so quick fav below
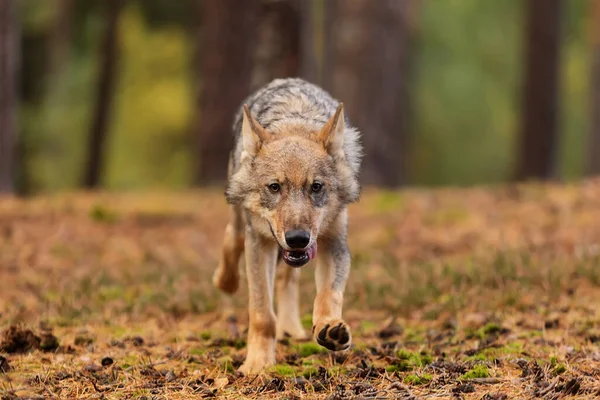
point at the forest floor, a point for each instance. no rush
(484, 293)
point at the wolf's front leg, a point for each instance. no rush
(329, 329)
(261, 259)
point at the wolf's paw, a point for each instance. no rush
(226, 280)
(293, 334)
(290, 329)
(255, 365)
(334, 335)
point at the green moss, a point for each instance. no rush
(206, 335)
(129, 361)
(590, 324)
(360, 345)
(83, 340)
(432, 314)
(491, 328)
(403, 354)
(512, 348)
(226, 363)
(483, 332)
(367, 326)
(407, 361)
(309, 371)
(101, 214)
(410, 360)
(414, 379)
(283, 370)
(478, 357)
(394, 368)
(309, 348)
(425, 359)
(196, 351)
(490, 354)
(312, 361)
(306, 321)
(560, 368)
(415, 336)
(337, 370)
(532, 334)
(478, 371)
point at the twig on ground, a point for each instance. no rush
(485, 381)
(550, 387)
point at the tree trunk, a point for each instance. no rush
(59, 41)
(107, 78)
(540, 91)
(226, 42)
(308, 26)
(366, 66)
(9, 65)
(594, 142)
(278, 50)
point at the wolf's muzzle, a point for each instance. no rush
(297, 239)
(299, 258)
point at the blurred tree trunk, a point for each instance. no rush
(107, 78)
(539, 130)
(309, 32)
(366, 65)
(593, 167)
(59, 41)
(278, 50)
(9, 65)
(226, 41)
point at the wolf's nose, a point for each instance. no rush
(297, 239)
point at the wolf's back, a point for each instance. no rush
(294, 101)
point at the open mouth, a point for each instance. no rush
(298, 258)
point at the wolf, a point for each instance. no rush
(291, 175)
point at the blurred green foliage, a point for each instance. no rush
(466, 95)
(467, 100)
(154, 104)
(149, 137)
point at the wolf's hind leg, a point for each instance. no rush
(288, 303)
(227, 275)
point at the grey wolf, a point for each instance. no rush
(292, 173)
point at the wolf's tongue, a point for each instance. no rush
(312, 251)
(297, 258)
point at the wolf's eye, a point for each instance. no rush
(274, 187)
(316, 187)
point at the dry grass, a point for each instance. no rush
(485, 293)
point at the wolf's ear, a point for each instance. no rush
(253, 135)
(332, 134)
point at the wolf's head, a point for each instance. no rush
(294, 183)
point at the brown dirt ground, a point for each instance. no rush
(483, 293)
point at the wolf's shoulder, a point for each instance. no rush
(287, 99)
(290, 87)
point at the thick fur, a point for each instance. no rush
(293, 135)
